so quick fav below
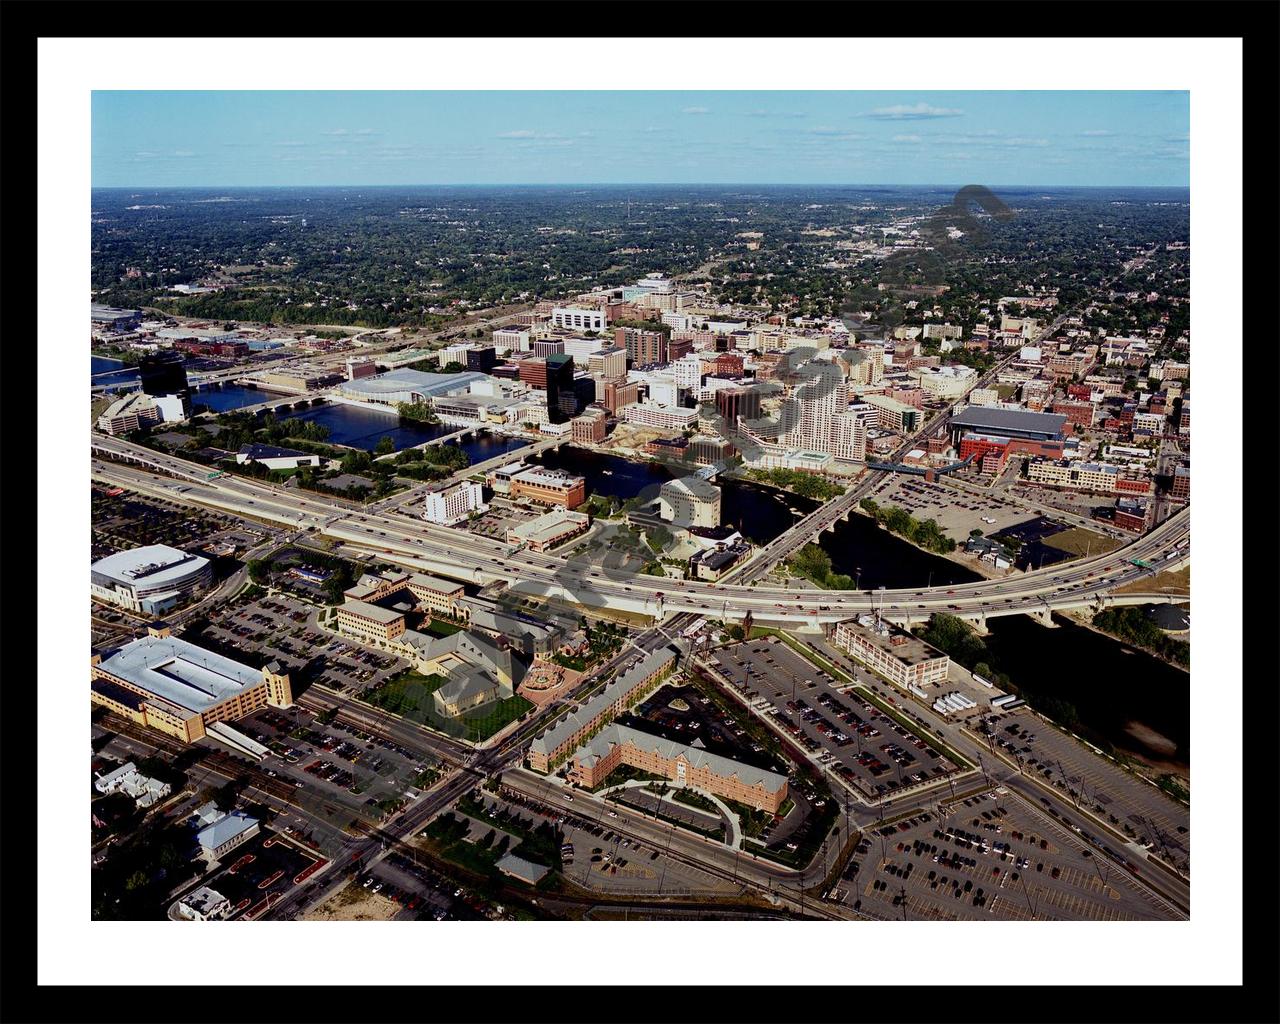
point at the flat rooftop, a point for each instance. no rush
(908, 649)
(426, 384)
(181, 673)
(436, 583)
(371, 611)
(547, 527)
(156, 564)
(1017, 422)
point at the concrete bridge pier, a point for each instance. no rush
(1044, 617)
(979, 624)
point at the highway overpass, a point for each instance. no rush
(1083, 583)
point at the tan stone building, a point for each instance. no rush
(684, 765)
(552, 746)
(369, 621)
(180, 689)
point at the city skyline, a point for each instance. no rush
(371, 139)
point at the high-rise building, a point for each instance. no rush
(449, 505)
(165, 373)
(738, 401)
(808, 414)
(562, 401)
(548, 347)
(644, 348)
(608, 363)
(618, 394)
(679, 349)
(578, 318)
(482, 358)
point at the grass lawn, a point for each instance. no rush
(1078, 541)
(687, 796)
(438, 627)
(1161, 583)
(409, 694)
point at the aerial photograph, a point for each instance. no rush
(640, 506)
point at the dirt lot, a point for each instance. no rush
(353, 904)
(1078, 541)
(1162, 583)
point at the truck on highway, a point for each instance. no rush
(1140, 563)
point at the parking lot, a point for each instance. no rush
(500, 518)
(334, 763)
(1125, 801)
(421, 893)
(128, 520)
(283, 628)
(988, 857)
(843, 732)
(1075, 502)
(957, 512)
(257, 875)
(603, 861)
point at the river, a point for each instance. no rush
(357, 427)
(1117, 689)
(111, 371)
(759, 513)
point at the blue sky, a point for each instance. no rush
(220, 139)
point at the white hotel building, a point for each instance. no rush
(448, 506)
(578, 318)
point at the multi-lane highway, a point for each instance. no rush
(461, 555)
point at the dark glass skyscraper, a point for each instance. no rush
(561, 402)
(164, 373)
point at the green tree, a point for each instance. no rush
(385, 445)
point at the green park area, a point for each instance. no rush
(409, 695)
(924, 533)
(814, 564)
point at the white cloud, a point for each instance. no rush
(695, 110)
(826, 131)
(292, 142)
(1097, 133)
(906, 138)
(528, 135)
(911, 112)
(183, 152)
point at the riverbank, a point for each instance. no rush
(1085, 619)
